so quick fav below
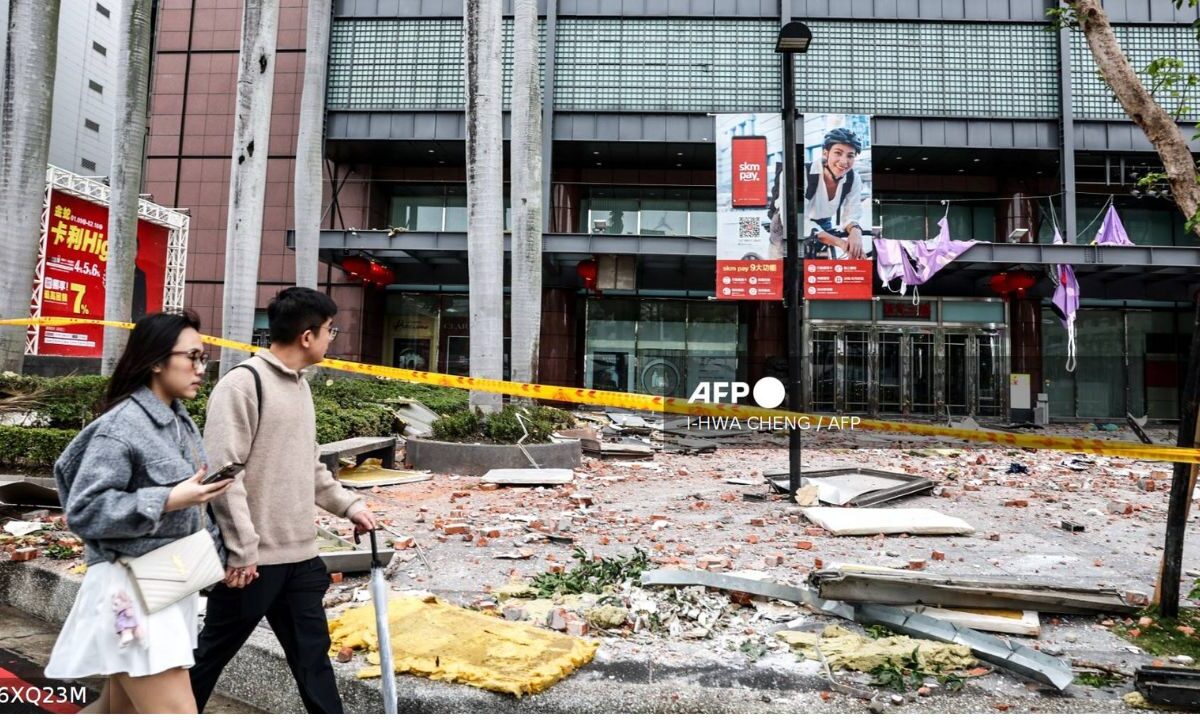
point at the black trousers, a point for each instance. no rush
(291, 598)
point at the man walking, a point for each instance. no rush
(261, 415)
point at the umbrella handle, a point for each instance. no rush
(374, 547)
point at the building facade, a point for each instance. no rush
(81, 122)
(981, 115)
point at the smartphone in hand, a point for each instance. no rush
(223, 473)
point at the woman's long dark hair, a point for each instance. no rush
(150, 343)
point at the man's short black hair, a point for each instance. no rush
(297, 309)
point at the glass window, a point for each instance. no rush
(403, 63)
(694, 64)
(610, 211)
(1142, 44)
(1100, 373)
(664, 212)
(702, 211)
(456, 208)
(917, 218)
(611, 343)
(418, 208)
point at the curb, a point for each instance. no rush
(259, 675)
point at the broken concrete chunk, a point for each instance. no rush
(845, 650)
(873, 521)
(530, 476)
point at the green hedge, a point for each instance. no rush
(67, 403)
(502, 427)
(353, 391)
(32, 448)
(344, 408)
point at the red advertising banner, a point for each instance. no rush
(837, 279)
(76, 262)
(750, 279)
(749, 171)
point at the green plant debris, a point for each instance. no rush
(753, 649)
(593, 575)
(1163, 637)
(1097, 680)
(908, 673)
(536, 423)
(61, 552)
(878, 631)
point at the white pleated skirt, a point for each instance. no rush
(90, 643)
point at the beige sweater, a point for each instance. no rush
(267, 517)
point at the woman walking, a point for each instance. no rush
(131, 483)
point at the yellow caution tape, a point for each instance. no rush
(681, 406)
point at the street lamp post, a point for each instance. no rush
(794, 37)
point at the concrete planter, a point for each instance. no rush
(476, 459)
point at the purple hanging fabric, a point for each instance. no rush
(1066, 301)
(1112, 231)
(932, 258)
(915, 262)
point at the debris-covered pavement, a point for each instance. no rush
(570, 557)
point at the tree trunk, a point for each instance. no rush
(248, 178)
(485, 193)
(26, 94)
(1172, 146)
(309, 143)
(1161, 129)
(526, 193)
(128, 138)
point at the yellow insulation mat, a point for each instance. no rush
(433, 639)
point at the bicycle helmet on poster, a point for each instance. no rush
(842, 136)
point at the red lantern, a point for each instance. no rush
(588, 273)
(382, 275)
(1018, 282)
(358, 267)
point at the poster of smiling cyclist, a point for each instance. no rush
(749, 197)
(837, 186)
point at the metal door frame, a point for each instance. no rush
(937, 330)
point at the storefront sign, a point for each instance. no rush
(76, 251)
(750, 239)
(904, 309)
(837, 279)
(749, 172)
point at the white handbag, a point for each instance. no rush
(167, 575)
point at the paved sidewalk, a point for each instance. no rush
(31, 640)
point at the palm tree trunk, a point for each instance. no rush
(526, 193)
(26, 94)
(485, 193)
(309, 143)
(129, 136)
(248, 178)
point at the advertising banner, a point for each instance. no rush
(838, 279)
(750, 240)
(837, 182)
(76, 252)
